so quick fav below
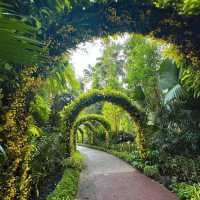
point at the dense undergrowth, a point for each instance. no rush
(151, 76)
(68, 185)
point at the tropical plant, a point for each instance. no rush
(17, 38)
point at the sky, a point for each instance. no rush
(86, 54)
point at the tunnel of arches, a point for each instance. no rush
(89, 130)
(85, 129)
(88, 120)
(73, 110)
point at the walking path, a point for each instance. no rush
(109, 178)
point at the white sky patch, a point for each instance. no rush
(86, 54)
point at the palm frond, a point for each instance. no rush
(168, 74)
(17, 43)
(174, 93)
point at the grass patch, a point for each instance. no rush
(66, 189)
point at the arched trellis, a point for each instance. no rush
(86, 126)
(72, 111)
(92, 130)
(99, 19)
(82, 132)
(93, 118)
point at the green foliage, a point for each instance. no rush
(72, 111)
(152, 171)
(108, 71)
(34, 131)
(124, 156)
(168, 74)
(18, 44)
(92, 118)
(185, 7)
(174, 94)
(62, 79)
(184, 168)
(67, 187)
(142, 59)
(63, 24)
(185, 142)
(137, 162)
(76, 161)
(196, 192)
(116, 116)
(190, 79)
(90, 121)
(47, 158)
(183, 190)
(40, 108)
(186, 191)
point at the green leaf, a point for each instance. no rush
(168, 73)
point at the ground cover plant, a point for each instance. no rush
(67, 187)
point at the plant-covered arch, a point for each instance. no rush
(72, 111)
(81, 131)
(68, 23)
(93, 118)
(92, 131)
(89, 19)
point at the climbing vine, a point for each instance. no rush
(16, 139)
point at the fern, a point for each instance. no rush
(174, 93)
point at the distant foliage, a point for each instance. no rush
(185, 7)
(72, 111)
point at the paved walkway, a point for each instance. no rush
(109, 178)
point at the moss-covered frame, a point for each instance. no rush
(91, 97)
(93, 118)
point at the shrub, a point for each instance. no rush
(76, 161)
(152, 171)
(153, 156)
(123, 155)
(137, 162)
(184, 168)
(185, 191)
(196, 192)
(67, 187)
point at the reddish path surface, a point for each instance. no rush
(109, 178)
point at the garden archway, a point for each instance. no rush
(91, 118)
(92, 130)
(72, 111)
(85, 126)
(101, 18)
